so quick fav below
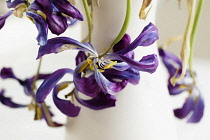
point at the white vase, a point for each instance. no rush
(142, 112)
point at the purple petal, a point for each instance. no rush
(42, 5)
(102, 101)
(121, 66)
(198, 111)
(41, 26)
(15, 3)
(58, 44)
(148, 63)
(3, 18)
(7, 73)
(81, 56)
(8, 101)
(106, 85)
(57, 23)
(65, 7)
(87, 86)
(186, 108)
(65, 106)
(131, 75)
(49, 83)
(147, 37)
(123, 43)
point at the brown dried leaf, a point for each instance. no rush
(143, 13)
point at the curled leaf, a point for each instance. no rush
(143, 13)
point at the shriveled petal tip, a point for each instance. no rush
(58, 44)
(65, 7)
(106, 85)
(198, 111)
(49, 83)
(7, 73)
(57, 23)
(3, 18)
(186, 108)
(8, 101)
(81, 56)
(102, 101)
(41, 26)
(178, 88)
(65, 106)
(15, 3)
(146, 38)
(87, 86)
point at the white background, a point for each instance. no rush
(18, 49)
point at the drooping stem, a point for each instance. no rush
(88, 15)
(124, 27)
(192, 38)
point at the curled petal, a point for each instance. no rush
(65, 7)
(121, 66)
(102, 101)
(8, 101)
(49, 83)
(57, 23)
(3, 18)
(58, 44)
(106, 85)
(66, 107)
(148, 63)
(147, 37)
(87, 86)
(81, 56)
(15, 3)
(131, 75)
(186, 108)
(198, 110)
(41, 26)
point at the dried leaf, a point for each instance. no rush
(171, 40)
(143, 13)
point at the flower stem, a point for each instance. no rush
(88, 15)
(37, 74)
(124, 27)
(192, 38)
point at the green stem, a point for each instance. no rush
(88, 15)
(192, 37)
(37, 74)
(124, 27)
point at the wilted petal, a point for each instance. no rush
(8, 101)
(87, 86)
(121, 66)
(58, 44)
(65, 7)
(81, 56)
(41, 26)
(4, 17)
(198, 110)
(15, 3)
(148, 63)
(106, 85)
(65, 106)
(49, 83)
(147, 37)
(131, 75)
(102, 101)
(186, 108)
